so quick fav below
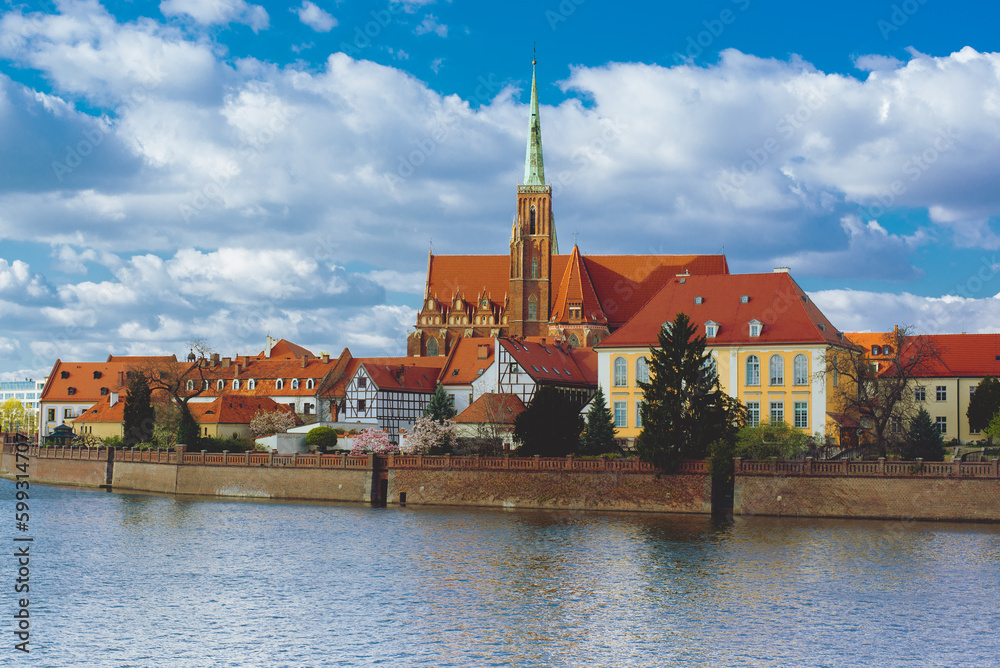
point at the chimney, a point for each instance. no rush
(484, 352)
(304, 361)
(326, 358)
(215, 359)
(226, 361)
(782, 270)
(268, 344)
(400, 370)
(121, 379)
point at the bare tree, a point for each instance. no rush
(879, 392)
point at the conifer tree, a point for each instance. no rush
(923, 439)
(441, 406)
(550, 426)
(139, 414)
(599, 436)
(984, 404)
(684, 410)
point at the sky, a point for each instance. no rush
(220, 170)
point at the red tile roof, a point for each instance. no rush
(464, 364)
(492, 408)
(409, 378)
(577, 288)
(622, 283)
(88, 378)
(285, 350)
(554, 364)
(229, 409)
(338, 389)
(775, 300)
(963, 355)
(103, 411)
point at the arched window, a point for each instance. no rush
(189, 385)
(279, 384)
(236, 383)
(753, 370)
(205, 384)
(432, 348)
(776, 370)
(532, 307)
(534, 267)
(220, 384)
(800, 369)
(310, 384)
(251, 384)
(621, 372)
(574, 341)
(531, 217)
(642, 370)
(295, 383)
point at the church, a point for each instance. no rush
(534, 291)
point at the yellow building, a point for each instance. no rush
(767, 339)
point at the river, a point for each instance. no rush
(144, 580)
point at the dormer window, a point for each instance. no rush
(698, 300)
(236, 383)
(104, 391)
(205, 385)
(220, 385)
(575, 311)
(310, 384)
(71, 391)
(876, 351)
(744, 299)
(279, 384)
(189, 386)
(64, 374)
(251, 384)
(295, 383)
(711, 329)
(756, 326)
(97, 374)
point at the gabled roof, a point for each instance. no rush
(285, 350)
(464, 363)
(103, 411)
(402, 377)
(232, 409)
(553, 364)
(88, 378)
(958, 355)
(622, 283)
(338, 389)
(492, 408)
(787, 313)
(577, 288)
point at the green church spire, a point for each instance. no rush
(534, 169)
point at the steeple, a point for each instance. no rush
(534, 169)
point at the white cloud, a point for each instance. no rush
(218, 12)
(314, 17)
(8, 347)
(18, 282)
(430, 25)
(856, 310)
(396, 281)
(877, 63)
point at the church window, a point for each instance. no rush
(532, 308)
(531, 216)
(432, 348)
(534, 267)
(574, 341)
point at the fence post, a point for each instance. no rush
(920, 466)
(569, 462)
(958, 466)
(881, 465)
(203, 457)
(996, 468)
(447, 461)
(537, 462)
(809, 466)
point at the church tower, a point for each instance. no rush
(532, 238)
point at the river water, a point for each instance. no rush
(144, 580)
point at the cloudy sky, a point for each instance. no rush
(221, 169)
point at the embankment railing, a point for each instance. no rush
(867, 468)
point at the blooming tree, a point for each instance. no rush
(271, 422)
(428, 434)
(374, 441)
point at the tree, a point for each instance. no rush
(684, 410)
(12, 416)
(322, 438)
(771, 439)
(441, 406)
(188, 431)
(139, 414)
(374, 441)
(984, 404)
(992, 430)
(880, 394)
(272, 422)
(923, 440)
(430, 437)
(599, 436)
(550, 426)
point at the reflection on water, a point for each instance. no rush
(139, 580)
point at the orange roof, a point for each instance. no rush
(492, 408)
(963, 355)
(265, 374)
(554, 364)
(775, 300)
(577, 288)
(403, 377)
(231, 409)
(285, 350)
(622, 284)
(338, 388)
(103, 411)
(464, 363)
(83, 381)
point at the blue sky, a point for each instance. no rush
(221, 169)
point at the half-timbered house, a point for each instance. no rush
(390, 396)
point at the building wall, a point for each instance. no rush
(868, 497)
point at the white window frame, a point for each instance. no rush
(752, 367)
(800, 369)
(620, 372)
(776, 370)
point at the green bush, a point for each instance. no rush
(212, 444)
(322, 438)
(771, 439)
(113, 442)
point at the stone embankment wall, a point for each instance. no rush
(869, 489)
